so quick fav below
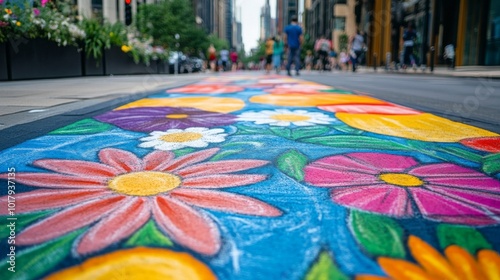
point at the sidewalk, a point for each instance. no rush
(492, 72)
(27, 101)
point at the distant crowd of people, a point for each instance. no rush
(283, 53)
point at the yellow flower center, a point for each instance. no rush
(176, 116)
(144, 183)
(290, 118)
(181, 137)
(402, 180)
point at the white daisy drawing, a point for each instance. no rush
(174, 139)
(284, 117)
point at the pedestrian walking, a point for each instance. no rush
(322, 47)
(278, 49)
(409, 37)
(224, 58)
(357, 46)
(269, 54)
(344, 60)
(234, 60)
(212, 57)
(294, 40)
(308, 60)
(332, 55)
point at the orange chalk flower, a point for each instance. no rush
(8, 11)
(138, 263)
(456, 264)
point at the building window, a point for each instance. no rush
(341, 2)
(339, 23)
(97, 8)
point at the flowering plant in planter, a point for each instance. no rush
(42, 20)
(142, 49)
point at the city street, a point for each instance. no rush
(250, 176)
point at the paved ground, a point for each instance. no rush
(23, 103)
(251, 177)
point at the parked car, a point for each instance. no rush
(182, 65)
(197, 64)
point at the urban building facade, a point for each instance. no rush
(265, 21)
(285, 10)
(472, 28)
(203, 11)
(329, 18)
(237, 30)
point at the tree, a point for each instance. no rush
(167, 18)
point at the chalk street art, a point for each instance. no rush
(254, 177)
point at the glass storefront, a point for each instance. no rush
(493, 35)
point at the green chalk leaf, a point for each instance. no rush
(347, 129)
(378, 235)
(224, 154)
(325, 269)
(337, 91)
(309, 131)
(491, 164)
(252, 130)
(292, 163)
(85, 126)
(461, 153)
(357, 142)
(282, 132)
(22, 221)
(34, 262)
(182, 152)
(466, 237)
(149, 235)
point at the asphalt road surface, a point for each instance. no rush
(475, 101)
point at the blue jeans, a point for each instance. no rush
(277, 61)
(293, 56)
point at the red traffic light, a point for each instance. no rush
(128, 2)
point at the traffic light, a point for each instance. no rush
(128, 12)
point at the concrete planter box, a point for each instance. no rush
(39, 58)
(117, 62)
(4, 76)
(91, 66)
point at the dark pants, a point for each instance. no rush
(293, 56)
(323, 55)
(409, 59)
(355, 60)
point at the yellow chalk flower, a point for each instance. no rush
(18, 23)
(138, 263)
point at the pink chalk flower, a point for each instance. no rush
(117, 196)
(44, 2)
(36, 12)
(399, 186)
